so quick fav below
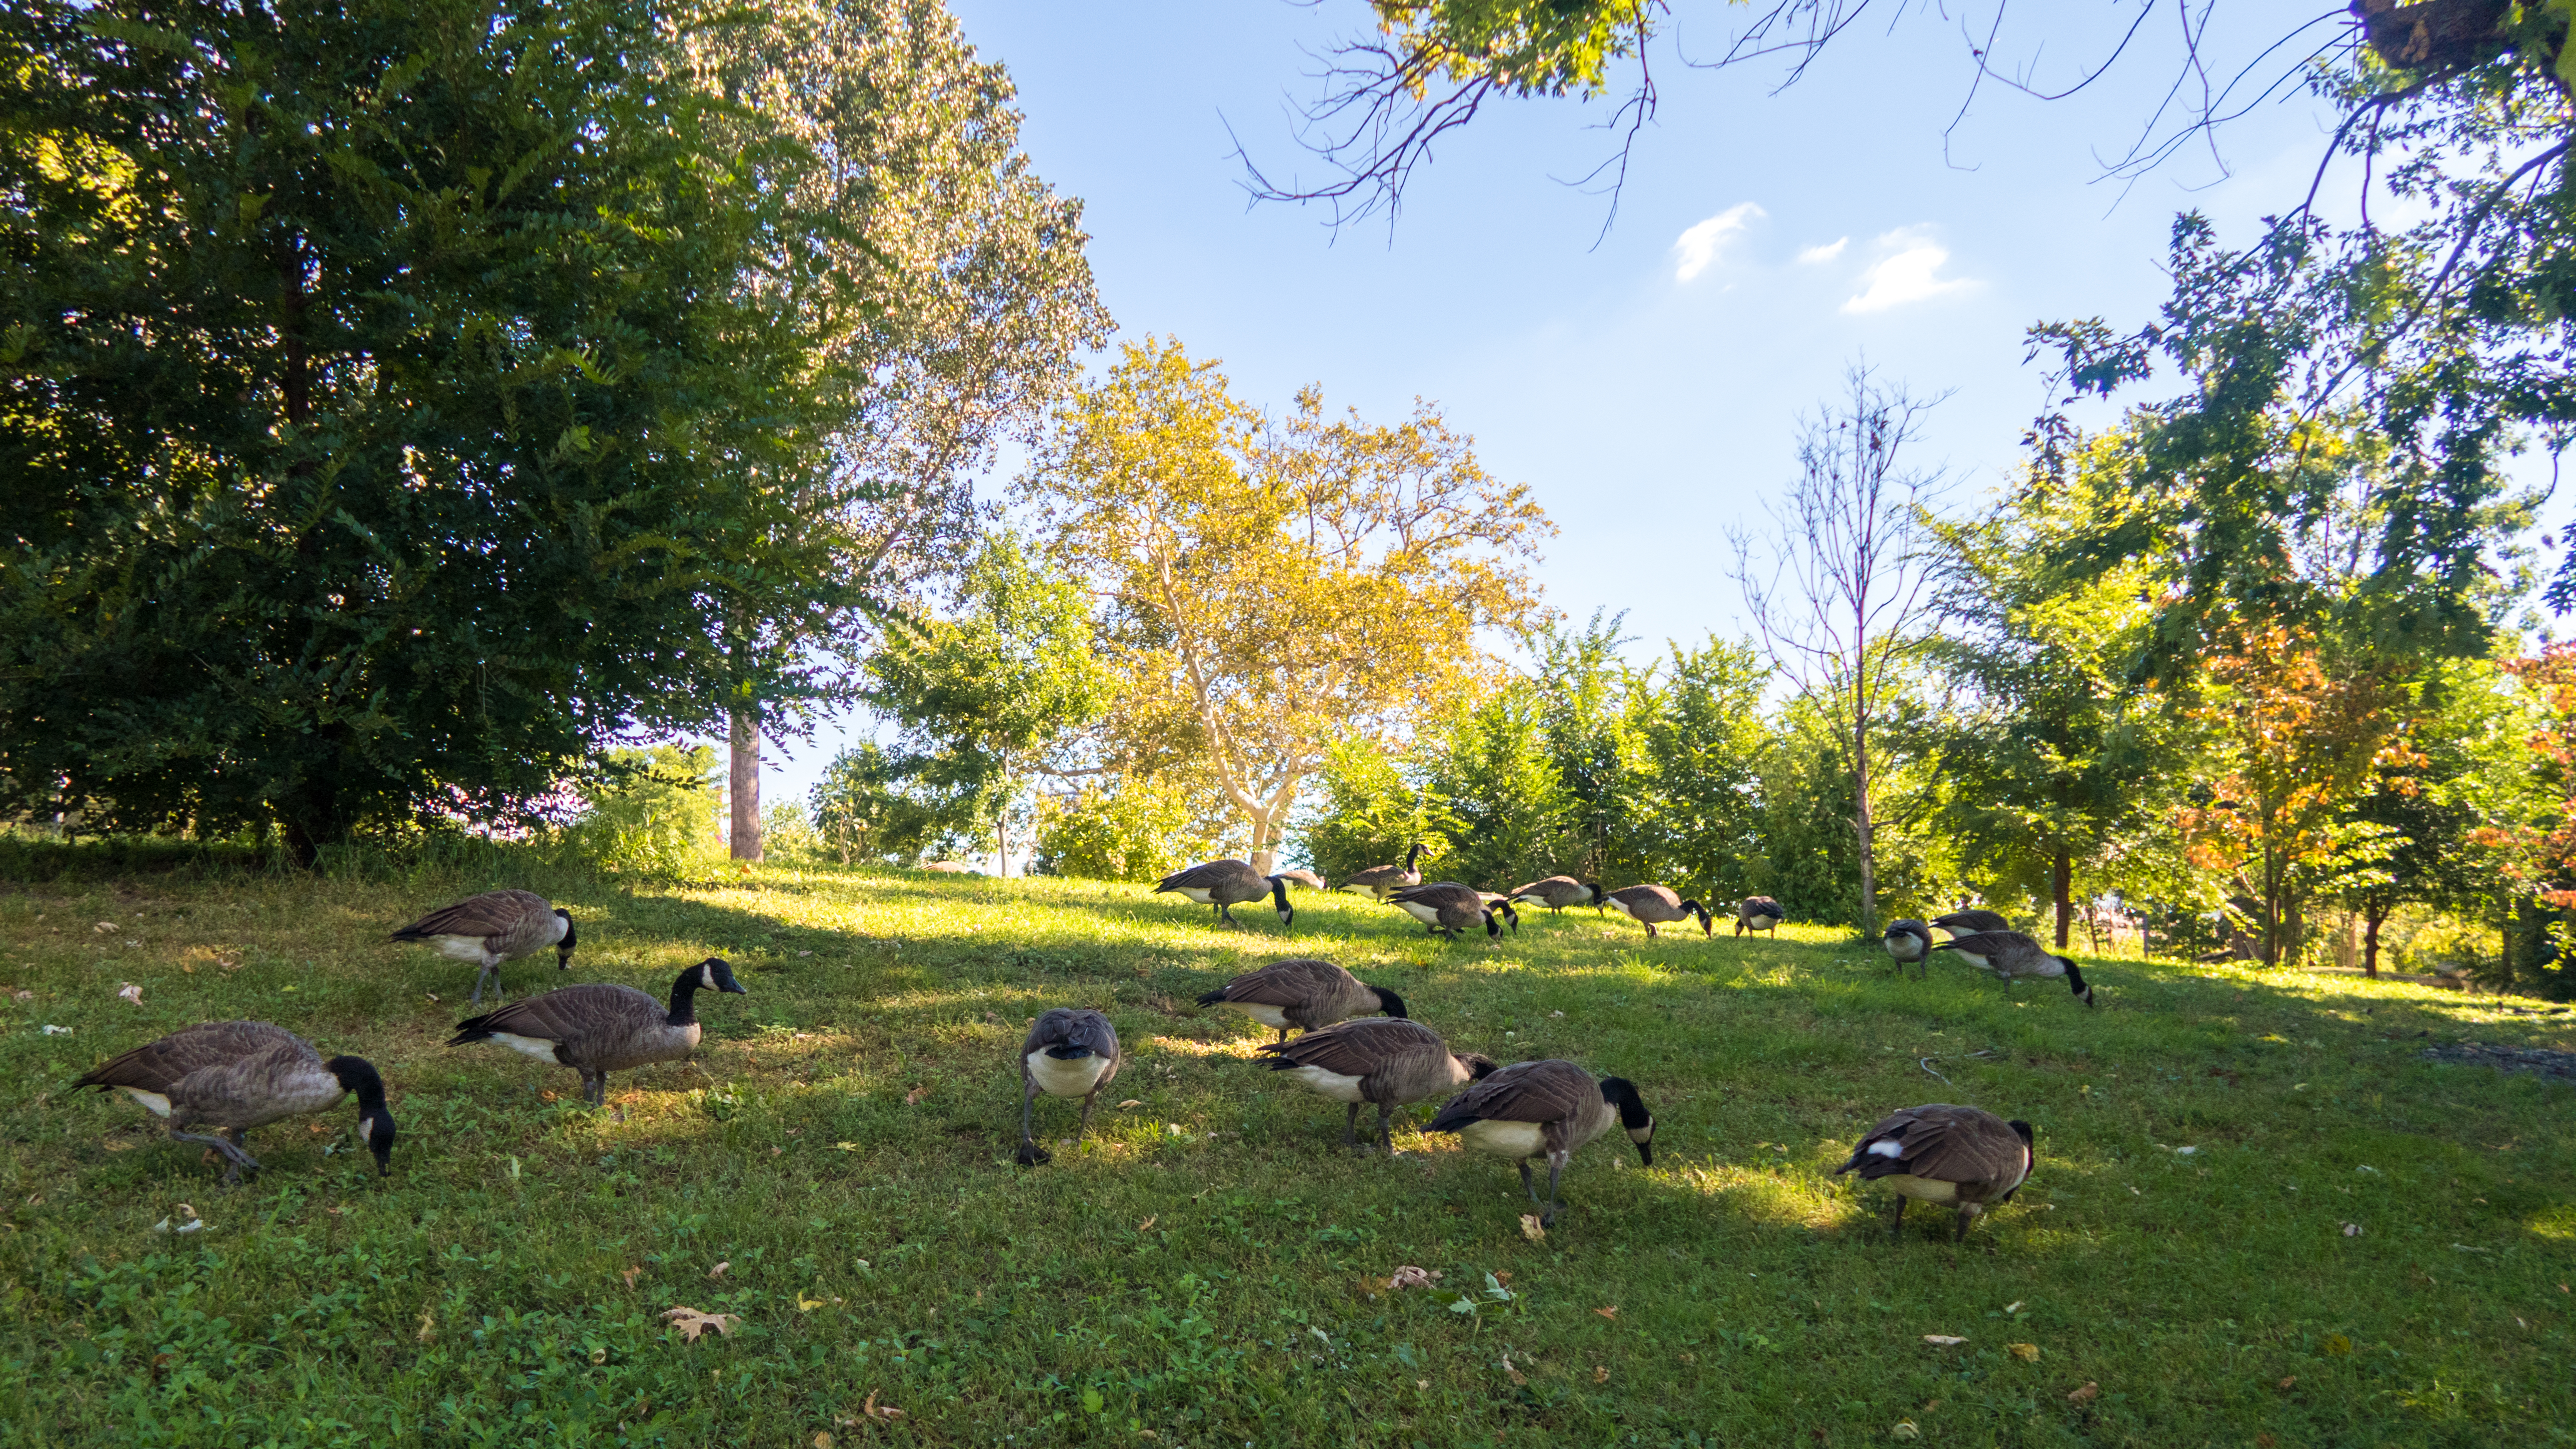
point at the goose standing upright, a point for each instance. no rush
(1653, 905)
(1379, 881)
(1308, 995)
(1225, 884)
(1386, 1060)
(1559, 891)
(1070, 1052)
(494, 927)
(1445, 908)
(1759, 913)
(602, 1027)
(236, 1075)
(1545, 1109)
(1960, 1157)
(1910, 944)
(2012, 956)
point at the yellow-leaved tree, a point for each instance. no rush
(1266, 587)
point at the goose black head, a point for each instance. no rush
(1707, 926)
(1412, 853)
(1388, 1001)
(375, 1124)
(2075, 981)
(563, 948)
(716, 974)
(1598, 894)
(1279, 901)
(1621, 1093)
(1479, 1066)
(1494, 923)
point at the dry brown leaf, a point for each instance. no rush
(1532, 1228)
(874, 1410)
(1601, 1373)
(2264, 1441)
(1410, 1276)
(913, 1097)
(1130, 1102)
(2086, 1394)
(719, 1270)
(2285, 1384)
(1518, 1378)
(631, 1274)
(428, 1329)
(1943, 1340)
(1147, 1225)
(1904, 1429)
(691, 1322)
(2026, 1352)
(1610, 1312)
(1504, 1277)
(128, 991)
(318, 1128)
(433, 997)
(546, 1096)
(822, 1440)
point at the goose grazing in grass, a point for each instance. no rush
(494, 927)
(236, 1075)
(1545, 1109)
(1559, 891)
(1958, 1157)
(1072, 1051)
(1389, 1061)
(1653, 905)
(1308, 995)
(1910, 943)
(1759, 913)
(1445, 908)
(1306, 878)
(1379, 881)
(1225, 884)
(1971, 922)
(2013, 956)
(602, 1027)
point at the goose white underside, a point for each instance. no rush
(1621, 907)
(1328, 1084)
(1196, 893)
(465, 948)
(542, 1048)
(1427, 915)
(1923, 1189)
(1762, 923)
(1270, 1016)
(153, 1102)
(1505, 1139)
(1062, 1077)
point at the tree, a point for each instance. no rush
(1695, 807)
(985, 301)
(1497, 795)
(1374, 809)
(1845, 589)
(389, 396)
(1250, 571)
(983, 695)
(2456, 769)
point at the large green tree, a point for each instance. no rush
(395, 399)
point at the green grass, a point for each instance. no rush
(1211, 1270)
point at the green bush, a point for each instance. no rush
(1142, 829)
(654, 812)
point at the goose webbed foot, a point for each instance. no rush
(1032, 1155)
(236, 1160)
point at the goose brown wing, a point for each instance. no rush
(2000, 948)
(1550, 1091)
(1651, 896)
(1942, 1143)
(493, 913)
(1972, 921)
(1440, 893)
(158, 1066)
(1205, 877)
(1358, 1048)
(1287, 983)
(572, 1011)
(1072, 1026)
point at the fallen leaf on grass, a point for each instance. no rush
(1601, 1373)
(2026, 1352)
(913, 1097)
(1147, 1225)
(2086, 1394)
(1943, 1340)
(428, 1330)
(1532, 1229)
(719, 1270)
(128, 991)
(433, 997)
(1410, 1276)
(2285, 1384)
(1130, 1102)
(2012, 1307)
(631, 1274)
(545, 1096)
(691, 1322)
(885, 1413)
(58, 1031)
(2264, 1441)
(1904, 1429)
(1502, 1279)
(2352, 1230)
(1611, 1312)
(822, 1440)
(808, 1305)
(104, 927)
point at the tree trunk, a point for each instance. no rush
(2370, 920)
(2061, 889)
(1001, 846)
(1861, 822)
(742, 791)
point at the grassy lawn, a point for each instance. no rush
(2183, 1268)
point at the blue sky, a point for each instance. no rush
(1646, 384)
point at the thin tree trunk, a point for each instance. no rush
(2370, 920)
(743, 787)
(2061, 890)
(1001, 846)
(1861, 817)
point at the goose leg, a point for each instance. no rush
(1385, 1128)
(1555, 1205)
(1896, 1221)
(1085, 1124)
(1351, 1125)
(1283, 1033)
(599, 1089)
(1226, 914)
(1967, 1217)
(1031, 1154)
(1528, 1186)
(234, 1157)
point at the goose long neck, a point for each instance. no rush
(684, 1006)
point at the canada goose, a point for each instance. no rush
(1446, 908)
(1308, 995)
(494, 927)
(1559, 891)
(1970, 922)
(1653, 905)
(602, 1027)
(1225, 884)
(236, 1075)
(1551, 1108)
(1910, 943)
(1071, 1052)
(1759, 913)
(1956, 1156)
(2012, 955)
(1379, 881)
(1306, 878)
(1390, 1061)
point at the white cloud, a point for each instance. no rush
(1819, 255)
(1906, 274)
(1698, 247)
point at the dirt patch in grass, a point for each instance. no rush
(2537, 1061)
